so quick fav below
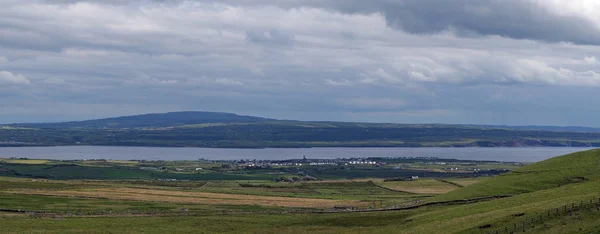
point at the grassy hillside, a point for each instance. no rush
(556, 172)
(541, 192)
(466, 218)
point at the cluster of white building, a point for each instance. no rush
(362, 162)
(322, 163)
(284, 164)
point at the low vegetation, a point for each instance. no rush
(556, 172)
(560, 195)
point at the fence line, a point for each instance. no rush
(529, 223)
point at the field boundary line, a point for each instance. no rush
(453, 202)
(529, 223)
(450, 182)
(393, 190)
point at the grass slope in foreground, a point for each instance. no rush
(555, 172)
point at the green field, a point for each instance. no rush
(543, 192)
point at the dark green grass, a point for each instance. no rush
(301, 223)
(87, 206)
(344, 190)
(65, 204)
(174, 184)
(586, 221)
(74, 171)
(41, 185)
(355, 173)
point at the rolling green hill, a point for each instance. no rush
(560, 171)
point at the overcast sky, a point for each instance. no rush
(517, 62)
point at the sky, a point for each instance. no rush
(510, 62)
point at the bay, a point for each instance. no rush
(512, 154)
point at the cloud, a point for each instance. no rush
(591, 60)
(228, 82)
(549, 20)
(13, 79)
(270, 37)
(415, 61)
(536, 71)
(519, 19)
(338, 82)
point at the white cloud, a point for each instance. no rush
(535, 71)
(13, 79)
(591, 60)
(339, 82)
(589, 9)
(228, 82)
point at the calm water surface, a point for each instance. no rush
(525, 154)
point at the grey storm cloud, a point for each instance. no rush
(478, 61)
(519, 19)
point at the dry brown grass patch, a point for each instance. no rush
(421, 186)
(136, 194)
(466, 181)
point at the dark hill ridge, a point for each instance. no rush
(153, 120)
(226, 130)
(173, 119)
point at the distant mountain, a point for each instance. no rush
(226, 130)
(152, 120)
(174, 119)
